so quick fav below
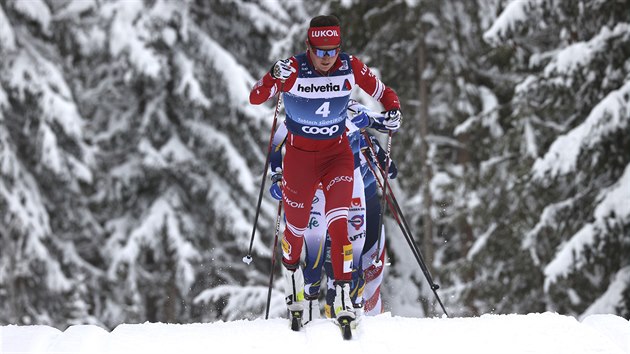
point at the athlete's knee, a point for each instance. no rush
(337, 217)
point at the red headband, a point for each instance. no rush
(324, 36)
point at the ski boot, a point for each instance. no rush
(344, 309)
(294, 294)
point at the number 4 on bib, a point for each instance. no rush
(324, 109)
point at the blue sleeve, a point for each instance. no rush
(354, 139)
(379, 126)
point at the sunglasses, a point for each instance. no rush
(324, 52)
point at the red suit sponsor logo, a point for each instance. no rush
(324, 33)
(291, 203)
(338, 179)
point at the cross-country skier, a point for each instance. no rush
(372, 274)
(316, 87)
(315, 241)
(367, 291)
(366, 279)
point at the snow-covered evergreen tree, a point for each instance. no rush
(573, 108)
(492, 112)
(177, 185)
(438, 200)
(48, 232)
(131, 154)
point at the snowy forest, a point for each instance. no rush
(131, 159)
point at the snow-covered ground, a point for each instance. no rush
(533, 333)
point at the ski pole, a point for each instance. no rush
(403, 229)
(391, 201)
(406, 230)
(377, 262)
(248, 258)
(273, 258)
(398, 215)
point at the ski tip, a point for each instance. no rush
(345, 324)
(346, 330)
(347, 334)
(295, 324)
(296, 320)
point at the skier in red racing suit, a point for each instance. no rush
(316, 87)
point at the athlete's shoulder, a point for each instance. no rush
(357, 64)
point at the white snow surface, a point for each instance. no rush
(531, 333)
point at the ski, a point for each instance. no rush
(345, 325)
(296, 319)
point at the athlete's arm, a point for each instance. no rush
(366, 80)
(268, 86)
